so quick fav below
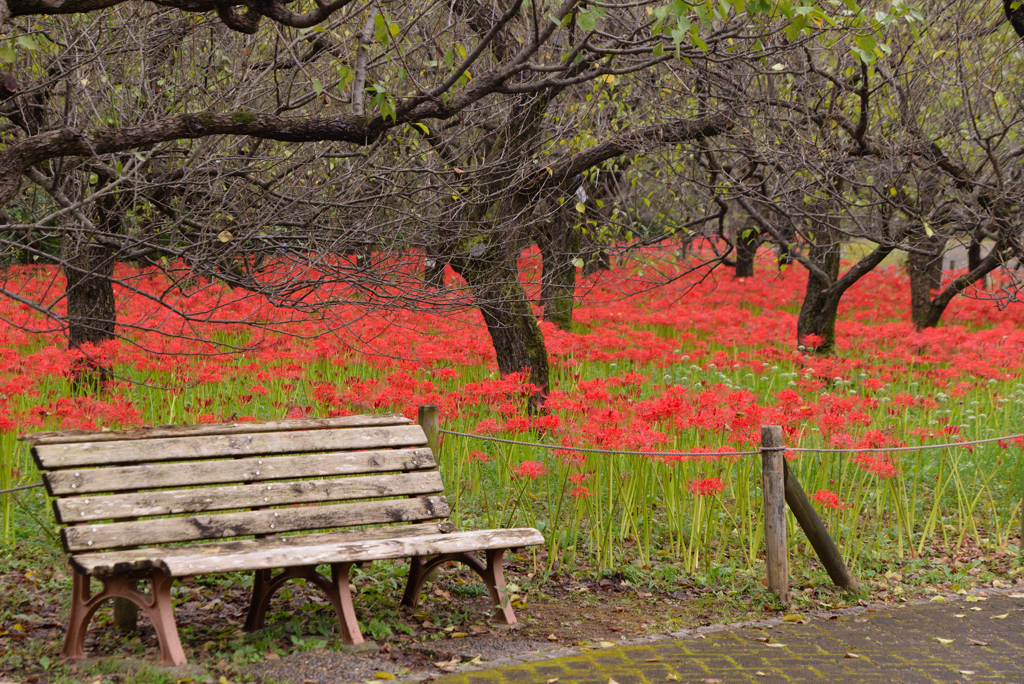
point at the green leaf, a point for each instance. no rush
(928, 230)
(28, 42)
(580, 207)
(587, 21)
(318, 87)
(7, 55)
(422, 128)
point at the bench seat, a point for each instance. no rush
(348, 546)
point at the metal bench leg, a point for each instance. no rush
(336, 589)
(341, 596)
(156, 604)
(494, 578)
(491, 573)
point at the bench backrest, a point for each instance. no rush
(173, 484)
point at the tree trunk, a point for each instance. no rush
(559, 249)
(88, 269)
(91, 315)
(973, 254)
(518, 341)
(788, 235)
(747, 239)
(925, 276)
(821, 304)
(930, 316)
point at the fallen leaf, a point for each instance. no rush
(551, 681)
(851, 655)
(712, 681)
(974, 599)
(938, 599)
(459, 635)
(794, 617)
(760, 674)
(776, 645)
(960, 615)
(652, 660)
(223, 680)
(552, 637)
(1016, 595)
(272, 656)
(975, 642)
(448, 664)
(943, 641)
(477, 629)
(764, 639)
(999, 617)
(671, 677)
(644, 594)
(612, 681)
(966, 672)
(383, 675)
(607, 644)
(859, 620)
(975, 609)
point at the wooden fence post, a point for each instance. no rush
(429, 418)
(814, 528)
(126, 615)
(774, 487)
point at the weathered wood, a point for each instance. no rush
(75, 436)
(273, 521)
(200, 499)
(429, 418)
(816, 532)
(120, 478)
(259, 554)
(53, 456)
(105, 563)
(773, 486)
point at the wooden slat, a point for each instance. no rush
(113, 562)
(52, 456)
(273, 521)
(310, 550)
(200, 499)
(76, 436)
(120, 478)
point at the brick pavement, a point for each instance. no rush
(894, 644)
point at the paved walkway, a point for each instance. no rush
(963, 640)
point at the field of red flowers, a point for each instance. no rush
(690, 366)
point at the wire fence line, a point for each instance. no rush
(18, 489)
(619, 452)
(563, 447)
(593, 450)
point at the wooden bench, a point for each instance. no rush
(153, 505)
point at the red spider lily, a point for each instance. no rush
(707, 487)
(478, 457)
(530, 469)
(829, 499)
